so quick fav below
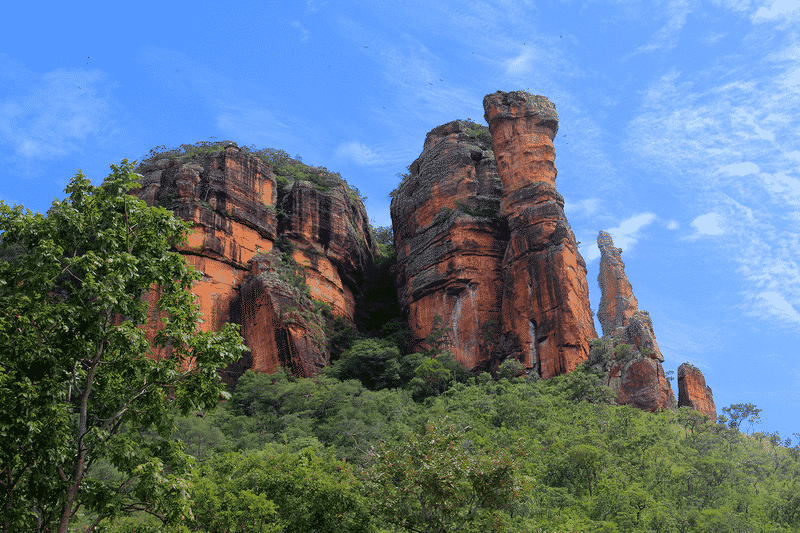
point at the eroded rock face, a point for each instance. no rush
(617, 303)
(693, 391)
(230, 197)
(546, 319)
(450, 241)
(329, 231)
(641, 383)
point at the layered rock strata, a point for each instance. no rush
(636, 375)
(546, 319)
(693, 391)
(450, 241)
(231, 198)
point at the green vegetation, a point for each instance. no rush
(86, 422)
(287, 170)
(97, 436)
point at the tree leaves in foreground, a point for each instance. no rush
(78, 382)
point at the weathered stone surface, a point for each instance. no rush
(331, 237)
(230, 197)
(546, 318)
(450, 241)
(693, 391)
(640, 382)
(617, 303)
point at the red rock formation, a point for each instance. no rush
(693, 391)
(617, 303)
(329, 230)
(230, 197)
(546, 319)
(639, 379)
(450, 241)
(640, 382)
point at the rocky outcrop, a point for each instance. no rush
(546, 319)
(231, 198)
(640, 382)
(617, 303)
(693, 391)
(628, 350)
(450, 241)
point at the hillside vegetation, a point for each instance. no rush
(97, 436)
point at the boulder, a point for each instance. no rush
(693, 391)
(546, 319)
(640, 382)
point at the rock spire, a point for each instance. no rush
(546, 318)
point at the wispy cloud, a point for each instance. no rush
(625, 235)
(56, 113)
(778, 7)
(667, 36)
(304, 33)
(357, 153)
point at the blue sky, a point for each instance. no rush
(678, 130)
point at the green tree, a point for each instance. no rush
(265, 490)
(78, 380)
(741, 412)
(431, 483)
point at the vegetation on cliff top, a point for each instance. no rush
(286, 169)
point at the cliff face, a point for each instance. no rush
(635, 373)
(546, 318)
(450, 241)
(231, 198)
(693, 391)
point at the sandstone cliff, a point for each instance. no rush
(450, 241)
(546, 319)
(693, 391)
(232, 198)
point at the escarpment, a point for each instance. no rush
(484, 254)
(278, 244)
(450, 241)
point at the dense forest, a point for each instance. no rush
(94, 436)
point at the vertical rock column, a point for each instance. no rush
(546, 319)
(693, 391)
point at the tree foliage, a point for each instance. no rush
(78, 378)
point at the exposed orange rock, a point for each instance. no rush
(230, 197)
(330, 232)
(546, 318)
(641, 383)
(617, 303)
(450, 241)
(693, 391)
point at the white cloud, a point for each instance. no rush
(741, 169)
(57, 112)
(785, 187)
(583, 207)
(358, 153)
(794, 155)
(779, 7)
(624, 236)
(673, 224)
(707, 224)
(776, 305)
(304, 33)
